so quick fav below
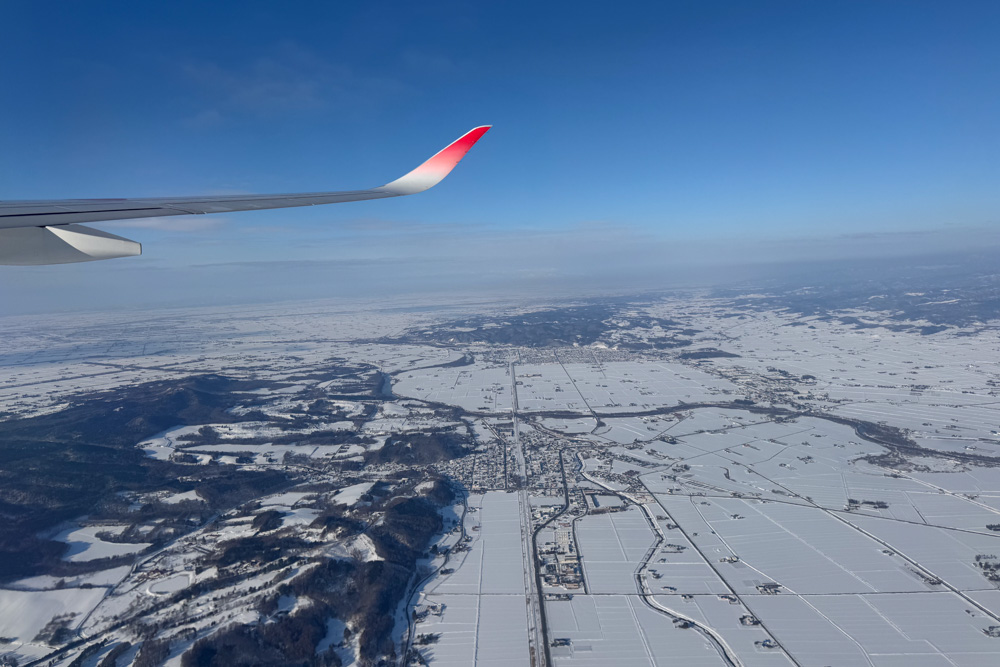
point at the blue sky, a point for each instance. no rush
(627, 137)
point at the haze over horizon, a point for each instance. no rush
(635, 147)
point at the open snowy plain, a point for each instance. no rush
(680, 480)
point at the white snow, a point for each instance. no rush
(84, 545)
(288, 499)
(350, 495)
(108, 577)
(23, 614)
(180, 497)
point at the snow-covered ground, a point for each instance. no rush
(350, 495)
(758, 501)
(84, 543)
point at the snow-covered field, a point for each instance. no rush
(876, 563)
(85, 544)
(25, 614)
(483, 619)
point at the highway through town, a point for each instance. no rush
(536, 627)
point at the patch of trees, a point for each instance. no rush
(76, 461)
(420, 448)
(257, 549)
(708, 353)
(889, 459)
(366, 594)
(989, 566)
(86, 654)
(206, 435)
(876, 504)
(225, 487)
(152, 653)
(334, 520)
(407, 526)
(111, 659)
(267, 521)
(286, 642)
(560, 326)
(313, 438)
(381, 587)
(654, 344)
(441, 493)
(332, 584)
(123, 416)
(378, 490)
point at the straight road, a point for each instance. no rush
(536, 633)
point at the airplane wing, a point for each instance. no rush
(48, 232)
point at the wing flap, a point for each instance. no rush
(65, 244)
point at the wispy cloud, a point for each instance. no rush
(421, 62)
(287, 78)
(189, 224)
(205, 119)
(881, 243)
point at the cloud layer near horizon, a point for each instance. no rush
(369, 258)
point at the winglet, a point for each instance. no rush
(433, 171)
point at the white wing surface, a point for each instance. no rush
(47, 232)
